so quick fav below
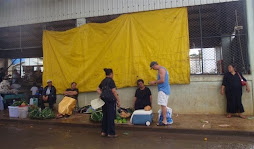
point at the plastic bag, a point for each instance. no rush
(66, 106)
(33, 101)
(169, 116)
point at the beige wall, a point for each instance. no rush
(201, 96)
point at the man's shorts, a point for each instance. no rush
(162, 98)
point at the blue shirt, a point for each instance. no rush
(164, 87)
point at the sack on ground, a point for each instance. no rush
(169, 116)
(66, 106)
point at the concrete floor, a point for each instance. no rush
(35, 136)
(190, 122)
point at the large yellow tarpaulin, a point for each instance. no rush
(127, 45)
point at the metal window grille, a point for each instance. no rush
(218, 37)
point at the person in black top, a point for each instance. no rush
(109, 108)
(70, 92)
(49, 95)
(143, 96)
(232, 84)
(73, 91)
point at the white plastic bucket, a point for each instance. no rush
(13, 111)
(23, 112)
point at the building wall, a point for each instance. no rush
(201, 96)
(2, 62)
(21, 12)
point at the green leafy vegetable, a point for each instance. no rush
(18, 103)
(97, 116)
(46, 113)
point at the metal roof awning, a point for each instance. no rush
(23, 12)
(21, 53)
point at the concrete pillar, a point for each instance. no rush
(250, 23)
(80, 22)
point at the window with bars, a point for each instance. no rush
(218, 37)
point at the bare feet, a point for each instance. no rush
(103, 134)
(242, 116)
(164, 122)
(229, 116)
(59, 116)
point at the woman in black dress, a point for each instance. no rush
(109, 108)
(232, 84)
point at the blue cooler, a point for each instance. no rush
(140, 117)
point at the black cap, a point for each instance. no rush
(153, 63)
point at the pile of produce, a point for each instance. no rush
(35, 114)
(97, 115)
(120, 120)
(19, 103)
(46, 113)
(32, 107)
(122, 114)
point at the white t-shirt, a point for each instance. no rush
(34, 89)
(48, 91)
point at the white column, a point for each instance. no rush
(250, 23)
(80, 22)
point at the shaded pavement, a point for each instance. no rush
(205, 124)
(36, 136)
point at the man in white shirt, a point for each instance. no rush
(34, 89)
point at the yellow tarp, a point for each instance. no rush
(127, 45)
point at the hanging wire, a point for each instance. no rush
(237, 29)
